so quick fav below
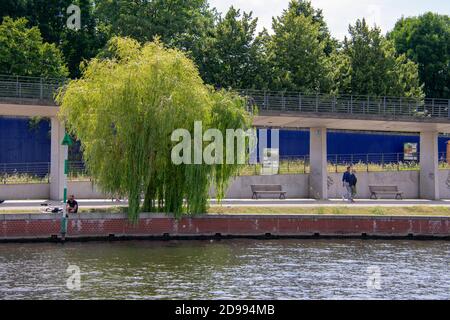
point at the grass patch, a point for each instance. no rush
(341, 210)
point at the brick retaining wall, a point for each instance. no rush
(38, 226)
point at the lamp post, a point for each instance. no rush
(67, 141)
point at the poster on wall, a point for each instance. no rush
(271, 161)
(410, 151)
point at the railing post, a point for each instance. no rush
(351, 104)
(368, 105)
(300, 102)
(367, 162)
(40, 88)
(317, 102)
(336, 164)
(432, 107)
(334, 103)
(384, 105)
(265, 100)
(17, 87)
(283, 105)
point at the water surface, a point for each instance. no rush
(228, 269)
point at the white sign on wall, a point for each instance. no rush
(271, 161)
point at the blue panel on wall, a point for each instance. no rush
(296, 143)
(21, 143)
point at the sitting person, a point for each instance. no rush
(72, 205)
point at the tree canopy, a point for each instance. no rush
(369, 65)
(51, 18)
(124, 110)
(300, 54)
(231, 55)
(426, 40)
(297, 50)
(24, 53)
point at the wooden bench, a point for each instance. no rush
(379, 190)
(267, 189)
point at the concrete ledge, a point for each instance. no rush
(105, 226)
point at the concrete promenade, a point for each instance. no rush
(34, 206)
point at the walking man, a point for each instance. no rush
(353, 181)
(346, 180)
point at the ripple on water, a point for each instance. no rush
(230, 269)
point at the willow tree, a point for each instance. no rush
(124, 110)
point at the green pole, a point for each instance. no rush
(67, 141)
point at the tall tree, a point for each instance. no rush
(297, 51)
(231, 58)
(125, 110)
(369, 65)
(184, 24)
(23, 51)
(426, 40)
(51, 18)
(305, 8)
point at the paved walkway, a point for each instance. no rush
(37, 205)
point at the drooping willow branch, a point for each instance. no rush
(124, 109)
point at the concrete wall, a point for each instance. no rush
(444, 184)
(84, 190)
(35, 191)
(25, 191)
(407, 181)
(296, 185)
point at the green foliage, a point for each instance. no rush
(184, 24)
(231, 56)
(23, 52)
(369, 65)
(297, 50)
(124, 110)
(426, 40)
(51, 18)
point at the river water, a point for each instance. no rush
(227, 269)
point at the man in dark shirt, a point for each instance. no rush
(353, 181)
(346, 180)
(72, 205)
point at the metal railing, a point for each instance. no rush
(368, 162)
(348, 104)
(38, 172)
(20, 89)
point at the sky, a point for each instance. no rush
(340, 13)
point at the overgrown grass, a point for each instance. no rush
(29, 178)
(341, 210)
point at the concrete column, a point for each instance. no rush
(56, 160)
(318, 177)
(429, 184)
